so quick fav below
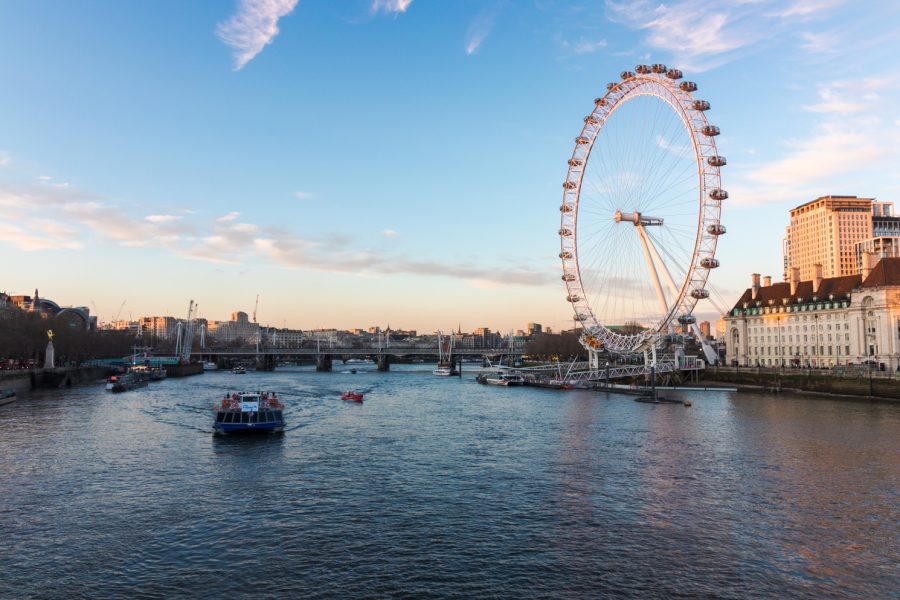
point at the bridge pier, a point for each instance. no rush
(384, 362)
(323, 363)
(266, 362)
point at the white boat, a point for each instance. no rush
(503, 379)
(210, 366)
(444, 372)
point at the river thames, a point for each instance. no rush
(440, 487)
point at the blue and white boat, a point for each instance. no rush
(249, 412)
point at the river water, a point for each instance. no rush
(440, 487)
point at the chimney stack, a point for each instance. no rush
(754, 287)
(767, 281)
(817, 281)
(866, 264)
(795, 280)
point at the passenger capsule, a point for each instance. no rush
(674, 74)
(611, 86)
(600, 101)
(575, 162)
(715, 229)
(565, 232)
(710, 130)
(573, 298)
(568, 277)
(699, 294)
(626, 75)
(687, 319)
(642, 69)
(700, 105)
(716, 161)
(566, 255)
(582, 140)
(718, 194)
(658, 68)
(709, 263)
(591, 119)
(688, 86)
(569, 185)
(566, 208)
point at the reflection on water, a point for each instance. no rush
(437, 487)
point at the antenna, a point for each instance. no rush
(255, 307)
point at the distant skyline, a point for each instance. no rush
(369, 162)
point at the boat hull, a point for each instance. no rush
(269, 427)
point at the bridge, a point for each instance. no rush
(267, 358)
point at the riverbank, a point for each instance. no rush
(26, 380)
(773, 380)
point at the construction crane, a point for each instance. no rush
(119, 312)
(255, 306)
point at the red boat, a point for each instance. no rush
(352, 396)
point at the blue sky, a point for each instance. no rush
(396, 161)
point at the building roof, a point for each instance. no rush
(886, 272)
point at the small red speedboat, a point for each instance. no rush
(352, 396)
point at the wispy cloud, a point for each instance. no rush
(704, 34)
(584, 46)
(252, 27)
(39, 216)
(304, 195)
(5, 159)
(390, 6)
(481, 27)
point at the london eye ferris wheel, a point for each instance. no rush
(640, 211)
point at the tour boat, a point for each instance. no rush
(352, 396)
(500, 379)
(249, 412)
(445, 371)
(239, 370)
(125, 383)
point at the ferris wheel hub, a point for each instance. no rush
(637, 218)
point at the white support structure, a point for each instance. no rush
(652, 268)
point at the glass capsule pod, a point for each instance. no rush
(687, 319)
(642, 69)
(581, 140)
(575, 162)
(710, 130)
(658, 68)
(569, 185)
(591, 119)
(700, 105)
(718, 194)
(716, 161)
(626, 75)
(600, 101)
(566, 255)
(715, 229)
(674, 74)
(709, 263)
(568, 277)
(566, 208)
(565, 232)
(699, 294)
(688, 86)
(573, 298)
(611, 86)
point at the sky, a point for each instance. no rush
(397, 162)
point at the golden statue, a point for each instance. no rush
(50, 334)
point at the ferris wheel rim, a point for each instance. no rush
(661, 83)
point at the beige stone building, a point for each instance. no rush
(826, 231)
(819, 322)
